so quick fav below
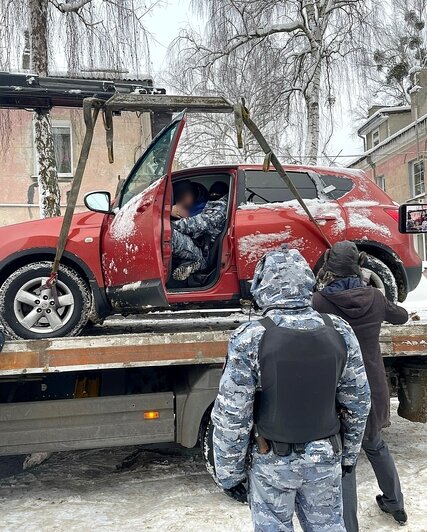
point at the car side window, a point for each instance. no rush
(151, 166)
(269, 187)
(342, 185)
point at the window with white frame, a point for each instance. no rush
(375, 137)
(380, 181)
(62, 142)
(416, 177)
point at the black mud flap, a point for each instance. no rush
(413, 391)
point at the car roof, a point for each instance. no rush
(332, 170)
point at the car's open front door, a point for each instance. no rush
(136, 244)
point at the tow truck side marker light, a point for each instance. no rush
(151, 414)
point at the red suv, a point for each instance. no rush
(118, 258)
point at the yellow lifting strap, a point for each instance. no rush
(91, 107)
(241, 115)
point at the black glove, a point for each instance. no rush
(238, 493)
(347, 469)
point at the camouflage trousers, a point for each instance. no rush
(184, 248)
(308, 484)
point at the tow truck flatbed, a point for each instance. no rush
(182, 344)
(150, 379)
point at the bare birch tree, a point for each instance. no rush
(305, 47)
(211, 139)
(92, 35)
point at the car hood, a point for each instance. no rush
(33, 226)
(45, 232)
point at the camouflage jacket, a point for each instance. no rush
(287, 285)
(211, 221)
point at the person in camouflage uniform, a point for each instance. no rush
(309, 482)
(192, 237)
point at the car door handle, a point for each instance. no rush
(325, 218)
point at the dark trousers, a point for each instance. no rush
(385, 470)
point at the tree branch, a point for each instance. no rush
(70, 7)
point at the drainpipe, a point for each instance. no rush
(363, 139)
(417, 134)
(416, 113)
(373, 166)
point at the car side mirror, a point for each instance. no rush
(413, 218)
(99, 201)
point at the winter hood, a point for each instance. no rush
(283, 278)
(353, 303)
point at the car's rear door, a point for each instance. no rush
(272, 216)
(136, 243)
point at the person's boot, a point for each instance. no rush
(184, 271)
(399, 516)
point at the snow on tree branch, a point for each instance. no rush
(68, 7)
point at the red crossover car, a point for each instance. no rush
(118, 258)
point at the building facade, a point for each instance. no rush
(18, 165)
(395, 142)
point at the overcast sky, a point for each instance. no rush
(165, 24)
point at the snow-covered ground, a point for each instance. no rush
(417, 300)
(168, 489)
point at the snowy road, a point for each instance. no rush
(168, 489)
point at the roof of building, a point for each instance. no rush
(380, 116)
(389, 139)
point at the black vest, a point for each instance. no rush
(300, 370)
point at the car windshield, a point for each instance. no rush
(152, 165)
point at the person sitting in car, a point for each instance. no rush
(192, 237)
(184, 197)
(201, 195)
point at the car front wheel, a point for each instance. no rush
(30, 309)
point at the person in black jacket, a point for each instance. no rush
(344, 293)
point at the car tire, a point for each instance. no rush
(379, 275)
(24, 298)
(206, 444)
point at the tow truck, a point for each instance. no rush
(153, 379)
(148, 380)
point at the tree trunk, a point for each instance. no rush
(314, 76)
(49, 192)
(312, 97)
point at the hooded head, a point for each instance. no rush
(344, 260)
(283, 278)
(218, 190)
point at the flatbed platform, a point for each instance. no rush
(171, 344)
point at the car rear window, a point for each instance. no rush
(269, 187)
(342, 185)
